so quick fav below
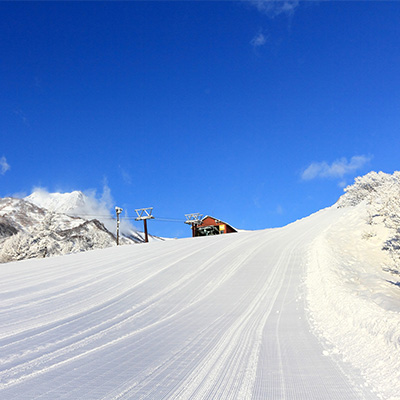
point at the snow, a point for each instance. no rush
(354, 288)
(62, 202)
(74, 203)
(218, 317)
(308, 311)
(28, 231)
(47, 224)
(87, 206)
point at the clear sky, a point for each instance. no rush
(257, 113)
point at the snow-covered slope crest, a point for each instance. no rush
(353, 281)
(29, 231)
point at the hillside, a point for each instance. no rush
(308, 311)
(28, 231)
(50, 224)
(87, 207)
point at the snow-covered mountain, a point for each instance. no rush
(68, 203)
(45, 224)
(87, 207)
(29, 231)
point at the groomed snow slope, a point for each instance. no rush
(204, 318)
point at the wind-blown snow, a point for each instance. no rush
(224, 317)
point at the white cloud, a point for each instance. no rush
(338, 169)
(273, 8)
(4, 166)
(258, 40)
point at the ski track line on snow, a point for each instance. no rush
(122, 296)
(135, 382)
(74, 269)
(250, 252)
(201, 381)
(233, 347)
(288, 257)
(107, 303)
(296, 246)
(212, 261)
(60, 352)
(293, 248)
(278, 322)
(23, 279)
(278, 341)
(102, 309)
(134, 308)
(237, 358)
(148, 375)
(56, 291)
(126, 265)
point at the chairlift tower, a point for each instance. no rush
(118, 211)
(193, 220)
(143, 214)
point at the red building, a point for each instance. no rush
(212, 226)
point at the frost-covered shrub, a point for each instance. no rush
(381, 193)
(373, 187)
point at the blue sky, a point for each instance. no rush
(253, 112)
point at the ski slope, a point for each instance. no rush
(220, 317)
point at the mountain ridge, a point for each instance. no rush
(29, 231)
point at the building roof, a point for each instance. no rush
(217, 221)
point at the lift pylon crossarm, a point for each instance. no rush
(144, 213)
(193, 219)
